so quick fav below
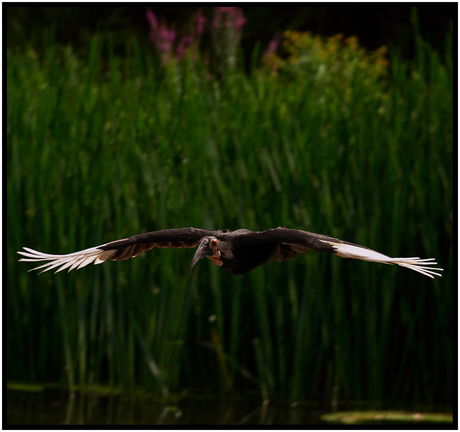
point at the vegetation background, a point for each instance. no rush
(111, 133)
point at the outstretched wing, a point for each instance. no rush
(118, 250)
(299, 241)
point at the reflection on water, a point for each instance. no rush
(54, 407)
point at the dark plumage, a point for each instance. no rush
(237, 251)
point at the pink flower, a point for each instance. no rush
(165, 46)
(273, 44)
(200, 22)
(187, 40)
(152, 19)
(233, 12)
(180, 51)
(238, 17)
(183, 44)
(240, 22)
(232, 17)
(167, 35)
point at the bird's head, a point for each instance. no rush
(208, 248)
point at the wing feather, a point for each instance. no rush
(118, 250)
(325, 243)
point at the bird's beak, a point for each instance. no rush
(203, 251)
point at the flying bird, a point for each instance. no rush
(238, 251)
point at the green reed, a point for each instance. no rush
(113, 145)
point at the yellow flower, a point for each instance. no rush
(352, 40)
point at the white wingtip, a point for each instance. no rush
(362, 253)
(73, 260)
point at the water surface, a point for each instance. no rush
(56, 407)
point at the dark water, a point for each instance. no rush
(55, 407)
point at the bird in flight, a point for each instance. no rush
(238, 251)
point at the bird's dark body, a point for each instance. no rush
(244, 259)
(241, 250)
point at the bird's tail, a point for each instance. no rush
(357, 252)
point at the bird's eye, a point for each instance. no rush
(213, 244)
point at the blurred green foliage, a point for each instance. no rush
(102, 149)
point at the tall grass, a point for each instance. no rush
(113, 145)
